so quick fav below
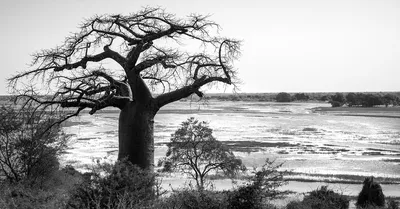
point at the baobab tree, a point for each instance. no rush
(137, 63)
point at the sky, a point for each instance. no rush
(288, 45)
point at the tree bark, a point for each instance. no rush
(135, 132)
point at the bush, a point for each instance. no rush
(122, 185)
(392, 204)
(53, 193)
(336, 104)
(19, 196)
(371, 194)
(194, 199)
(322, 198)
(245, 197)
(29, 144)
(262, 187)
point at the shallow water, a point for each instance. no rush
(308, 142)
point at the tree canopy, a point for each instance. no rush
(148, 46)
(194, 150)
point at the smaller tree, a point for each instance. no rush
(194, 150)
(30, 142)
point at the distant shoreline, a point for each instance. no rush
(381, 112)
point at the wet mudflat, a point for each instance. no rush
(316, 143)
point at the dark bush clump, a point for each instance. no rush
(194, 199)
(262, 188)
(322, 198)
(336, 104)
(392, 204)
(371, 194)
(122, 185)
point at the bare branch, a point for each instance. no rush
(137, 42)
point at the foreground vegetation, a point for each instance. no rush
(123, 186)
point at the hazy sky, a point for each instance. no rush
(288, 45)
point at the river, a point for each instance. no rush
(316, 146)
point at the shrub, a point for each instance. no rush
(29, 144)
(371, 194)
(53, 193)
(245, 197)
(122, 185)
(322, 198)
(262, 187)
(194, 199)
(297, 205)
(392, 204)
(19, 196)
(336, 104)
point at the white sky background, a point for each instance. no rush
(288, 45)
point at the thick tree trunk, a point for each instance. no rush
(136, 135)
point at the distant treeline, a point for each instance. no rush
(336, 99)
(364, 100)
(351, 99)
(266, 97)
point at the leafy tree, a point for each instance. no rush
(28, 148)
(370, 100)
(337, 100)
(137, 63)
(283, 97)
(352, 99)
(194, 150)
(390, 99)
